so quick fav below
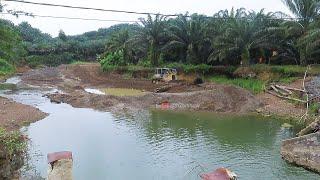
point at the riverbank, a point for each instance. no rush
(15, 115)
(72, 80)
(12, 144)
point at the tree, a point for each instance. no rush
(10, 42)
(62, 36)
(305, 31)
(151, 37)
(242, 33)
(187, 38)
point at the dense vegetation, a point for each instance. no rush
(228, 38)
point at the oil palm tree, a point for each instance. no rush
(187, 36)
(150, 37)
(305, 30)
(242, 32)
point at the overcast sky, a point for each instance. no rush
(71, 27)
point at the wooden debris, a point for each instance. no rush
(163, 89)
(285, 97)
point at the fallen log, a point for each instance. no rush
(163, 89)
(312, 128)
(279, 91)
(284, 89)
(291, 88)
(284, 97)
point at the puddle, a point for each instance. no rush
(123, 92)
(13, 80)
(94, 91)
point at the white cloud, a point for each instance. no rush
(52, 26)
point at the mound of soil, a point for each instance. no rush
(219, 98)
(15, 115)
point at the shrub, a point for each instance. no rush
(112, 60)
(5, 68)
(12, 148)
(50, 59)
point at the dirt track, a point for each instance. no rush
(72, 79)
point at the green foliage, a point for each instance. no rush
(314, 108)
(62, 36)
(112, 60)
(190, 68)
(11, 143)
(78, 62)
(10, 42)
(50, 59)
(6, 86)
(5, 68)
(253, 85)
(287, 70)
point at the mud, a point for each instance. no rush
(15, 115)
(72, 79)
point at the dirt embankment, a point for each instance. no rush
(273, 105)
(15, 115)
(72, 79)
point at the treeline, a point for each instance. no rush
(229, 37)
(24, 45)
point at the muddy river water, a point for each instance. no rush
(155, 144)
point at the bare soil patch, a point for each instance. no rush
(72, 79)
(15, 115)
(273, 105)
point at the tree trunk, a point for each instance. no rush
(245, 56)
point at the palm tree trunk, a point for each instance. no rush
(245, 56)
(154, 55)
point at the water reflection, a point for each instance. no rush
(157, 145)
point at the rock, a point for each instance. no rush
(313, 127)
(303, 151)
(60, 166)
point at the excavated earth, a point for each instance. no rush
(73, 79)
(15, 115)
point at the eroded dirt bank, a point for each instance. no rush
(12, 117)
(15, 115)
(72, 79)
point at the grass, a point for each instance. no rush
(286, 70)
(254, 85)
(6, 86)
(287, 80)
(314, 108)
(6, 68)
(79, 62)
(122, 92)
(11, 143)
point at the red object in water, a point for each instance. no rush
(165, 105)
(219, 174)
(53, 157)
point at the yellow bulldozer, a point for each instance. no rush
(164, 75)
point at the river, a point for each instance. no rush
(156, 144)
